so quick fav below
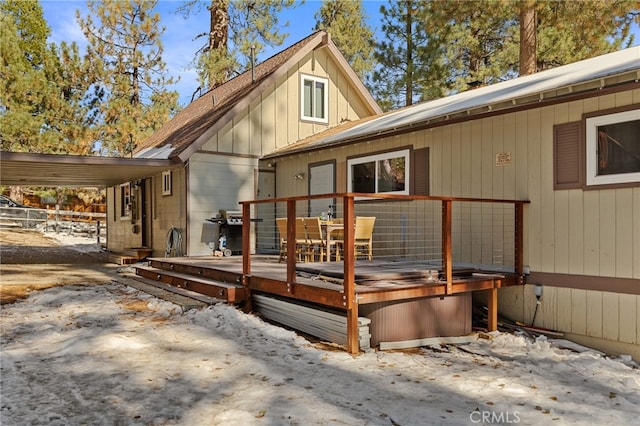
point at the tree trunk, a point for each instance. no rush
(528, 29)
(410, 71)
(219, 30)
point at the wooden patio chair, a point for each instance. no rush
(301, 239)
(282, 230)
(337, 236)
(315, 239)
(363, 238)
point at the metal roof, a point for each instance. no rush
(27, 169)
(528, 89)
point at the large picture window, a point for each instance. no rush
(380, 173)
(314, 98)
(613, 148)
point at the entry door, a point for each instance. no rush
(322, 180)
(267, 240)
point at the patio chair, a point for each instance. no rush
(282, 230)
(334, 240)
(363, 238)
(315, 239)
(301, 239)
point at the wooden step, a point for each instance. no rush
(209, 272)
(138, 252)
(231, 293)
(121, 259)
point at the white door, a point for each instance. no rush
(322, 180)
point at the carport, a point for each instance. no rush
(28, 169)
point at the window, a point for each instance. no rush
(125, 201)
(314, 98)
(166, 183)
(613, 148)
(380, 173)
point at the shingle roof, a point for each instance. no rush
(183, 130)
(520, 91)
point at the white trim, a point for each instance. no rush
(125, 208)
(166, 182)
(591, 132)
(406, 153)
(315, 80)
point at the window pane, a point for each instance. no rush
(319, 100)
(391, 174)
(363, 176)
(619, 148)
(307, 98)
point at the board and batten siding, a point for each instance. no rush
(273, 121)
(585, 233)
(223, 172)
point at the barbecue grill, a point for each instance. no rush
(229, 230)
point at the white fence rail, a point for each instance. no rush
(66, 221)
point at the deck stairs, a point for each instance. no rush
(222, 286)
(225, 286)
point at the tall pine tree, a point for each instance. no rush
(487, 41)
(238, 29)
(126, 51)
(345, 21)
(407, 56)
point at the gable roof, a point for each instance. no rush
(568, 80)
(185, 133)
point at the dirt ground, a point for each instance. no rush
(31, 261)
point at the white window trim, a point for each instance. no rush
(406, 153)
(125, 210)
(166, 182)
(306, 77)
(591, 131)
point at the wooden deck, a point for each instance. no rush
(347, 285)
(322, 282)
(377, 283)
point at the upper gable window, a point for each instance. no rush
(314, 98)
(613, 148)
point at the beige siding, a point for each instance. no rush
(216, 182)
(167, 211)
(578, 232)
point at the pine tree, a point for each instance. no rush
(408, 59)
(22, 49)
(126, 51)
(238, 30)
(487, 41)
(345, 21)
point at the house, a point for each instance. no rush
(214, 146)
(567, 140)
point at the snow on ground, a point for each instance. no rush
(111, 355)
(75, 242)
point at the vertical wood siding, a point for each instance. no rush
(571, 231)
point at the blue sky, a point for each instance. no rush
(178, 42)
(179, 46)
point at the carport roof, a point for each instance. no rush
(27, 169)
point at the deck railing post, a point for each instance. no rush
(519, 239)
(353, 344)
(291, 244)
(246, 241)
(447, 258)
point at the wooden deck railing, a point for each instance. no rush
(348, 204)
